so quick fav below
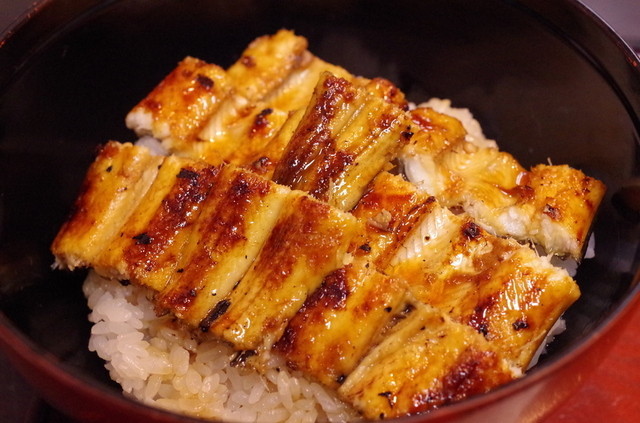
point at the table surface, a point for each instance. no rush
(610, 393)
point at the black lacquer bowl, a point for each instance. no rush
(546, 78)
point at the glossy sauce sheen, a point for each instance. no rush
(151, 241)
(345, 138)
(552, 206)
(391, 208)
(339, 322)
(181, 104)
(235, 220)
(314, 138)
(504, 291)
(308, 241)
(449, 361)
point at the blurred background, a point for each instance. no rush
(18, 403)
(622, 15)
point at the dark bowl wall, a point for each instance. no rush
(545, 79)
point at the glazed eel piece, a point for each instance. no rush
(552, 206)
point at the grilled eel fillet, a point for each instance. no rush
(248, 114)
(267, 268)
(553, 206)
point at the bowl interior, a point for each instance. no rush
(536, 91)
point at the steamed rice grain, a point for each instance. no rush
(160, 363)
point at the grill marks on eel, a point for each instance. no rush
(308, 241)
(340, 321)
(345, 138)
(313, 143)
(171, 224)
(236, 219)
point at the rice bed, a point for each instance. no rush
(158, 362)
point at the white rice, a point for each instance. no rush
(475, 135)
(160, 363)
